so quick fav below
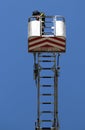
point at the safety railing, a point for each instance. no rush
(48, 25)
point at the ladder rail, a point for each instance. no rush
(53, 86)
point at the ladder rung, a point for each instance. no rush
(46, 56)
(46, 68)
(46, 111)
(48, 22)
(46, 128)
(45, 94)
(48, 27)
(46, 121)
(46, 77)
(46, 60)
(48, 33)
(47, 103)
(47, 85)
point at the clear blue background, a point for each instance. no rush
(17, 88)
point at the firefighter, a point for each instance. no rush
(40, 16)
(36, 13)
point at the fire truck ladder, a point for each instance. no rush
(46, 76)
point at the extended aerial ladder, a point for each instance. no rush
(46, 47)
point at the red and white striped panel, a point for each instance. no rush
(46, 44)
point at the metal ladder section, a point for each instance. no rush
(49, 25)
(46, 76)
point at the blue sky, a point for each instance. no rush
(17, 88)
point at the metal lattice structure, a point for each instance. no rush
(46, 76)
(46, 47)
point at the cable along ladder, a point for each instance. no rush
(46, 76)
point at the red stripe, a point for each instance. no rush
(60, 50)
(58, 38)
(37, 38)
(33, 39)
(56, 43)
(46, 46)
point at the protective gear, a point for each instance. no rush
(42, 15)
(36, 12)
